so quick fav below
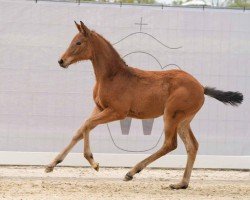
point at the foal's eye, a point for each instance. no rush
(78, 43)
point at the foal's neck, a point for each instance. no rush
(106, 60)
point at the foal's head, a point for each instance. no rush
(79, 48)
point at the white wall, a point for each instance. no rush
(41, 105)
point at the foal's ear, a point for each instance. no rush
(84, 29)
(78, 26)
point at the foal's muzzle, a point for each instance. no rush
(61, 63)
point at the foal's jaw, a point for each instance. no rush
(65, 63)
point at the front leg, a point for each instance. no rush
(107, 115)
(76, 138)
(60, 157)
(87, 152)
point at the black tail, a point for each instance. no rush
(233, 98)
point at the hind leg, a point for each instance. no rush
(191, 145)
(170, 143)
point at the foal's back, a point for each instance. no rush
(152, 91)
(167, 81)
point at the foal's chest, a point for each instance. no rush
(100, 97)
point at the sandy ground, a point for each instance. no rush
(30, 183)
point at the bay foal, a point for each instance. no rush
(122, 91)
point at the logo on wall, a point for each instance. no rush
(144, 134)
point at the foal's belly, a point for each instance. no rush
(144, 115)
(148, 107)
(150, 99)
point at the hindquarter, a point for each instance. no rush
(187, 97)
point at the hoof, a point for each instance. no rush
(49, 169)
(178, 186)
(128, 177)
(96, 167)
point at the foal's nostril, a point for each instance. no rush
(60, 62)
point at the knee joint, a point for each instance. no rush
(193, 149)
(76, 138)
(87, 126)
(88, 155)
(170, 146)
(196, 146)
(173, 146)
